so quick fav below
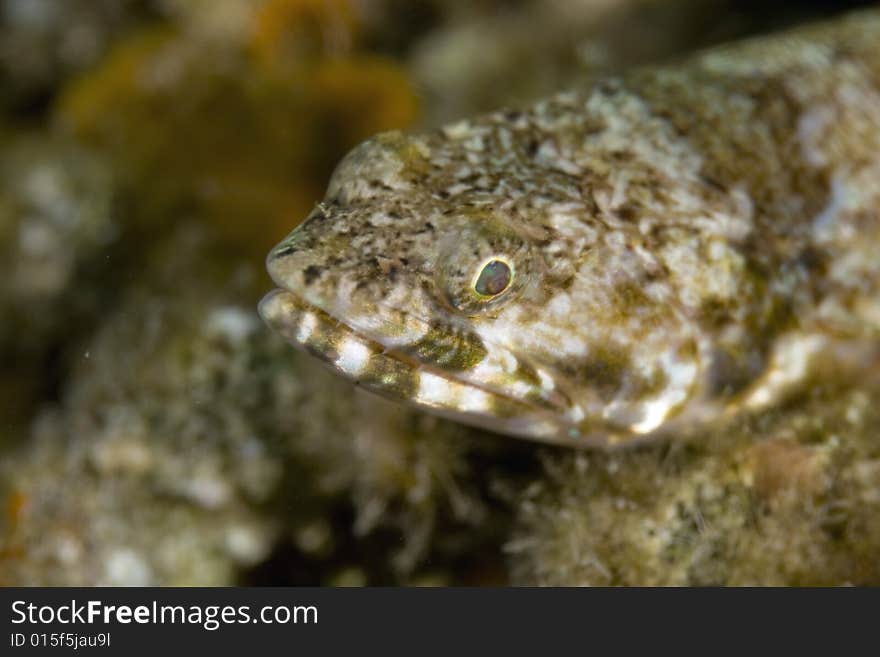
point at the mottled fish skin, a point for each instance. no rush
(683, 242)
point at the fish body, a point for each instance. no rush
(610, 264)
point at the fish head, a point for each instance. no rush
(457, 303)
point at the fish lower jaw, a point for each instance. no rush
(386, 372)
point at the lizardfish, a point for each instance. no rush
(657, 252)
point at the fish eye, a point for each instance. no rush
(483, 266)
(493, 277)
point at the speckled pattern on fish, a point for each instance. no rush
(655, 253)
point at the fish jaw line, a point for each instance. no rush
(408, 334)
(495, 374)
(388, 372)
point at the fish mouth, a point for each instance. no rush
(394, 374)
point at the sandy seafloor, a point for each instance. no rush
(154, 432)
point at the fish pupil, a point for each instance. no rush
(493, 279)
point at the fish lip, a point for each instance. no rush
(305, 305)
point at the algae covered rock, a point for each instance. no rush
(785, 498)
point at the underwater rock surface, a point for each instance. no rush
(788, 497)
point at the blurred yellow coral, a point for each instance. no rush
(200, 127)
(290, 32)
